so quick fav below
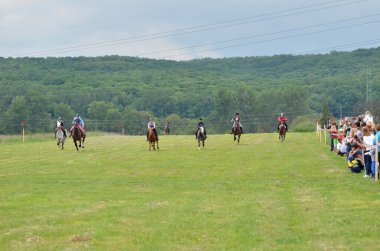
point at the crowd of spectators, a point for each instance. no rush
(355, 139)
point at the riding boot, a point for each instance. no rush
(147, 136)
(232, 131)
(205, 135)
(196, 133)
(241, 130)
(155, 132)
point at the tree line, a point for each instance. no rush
(115, 93)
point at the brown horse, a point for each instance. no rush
(281, 131)
(78, 136)
(152, 139)
(237, 132)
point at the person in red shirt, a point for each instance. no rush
(284, 119)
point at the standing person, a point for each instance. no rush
(377, 150)
(234, 120)
(201, 124)
(152, 125)
(284, 119)
(368, 117)
(80, 122)
(367, 143)
(60, 125)
(333, 134)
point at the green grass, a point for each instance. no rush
(116, 195)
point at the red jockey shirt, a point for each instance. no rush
(282, 118)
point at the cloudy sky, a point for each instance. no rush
(187, 29)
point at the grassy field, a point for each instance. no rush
(116, 195)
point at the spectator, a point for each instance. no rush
(355, 159)
(341, 147)
(333, 133)
(367, 143)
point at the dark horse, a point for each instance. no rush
(281, 131)
(237, 132)
(201, 137)
(78, 136)
(167, 129)
(152, 139)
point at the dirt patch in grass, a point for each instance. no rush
(78, 238)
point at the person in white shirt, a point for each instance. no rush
(341, 148)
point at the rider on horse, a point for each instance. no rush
(283, 119)
(167, 124)
(152, 125)
(234, 120)
(200, 124)
(60, 125)
(79, 121)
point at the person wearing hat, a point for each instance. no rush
(200, 123)
(283, 119)
(236, 119)
(152, 125)
(77, 120)
(60, 125)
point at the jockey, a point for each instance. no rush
(236, 119)
(200, 124)
(77, 120)
(152, 125)
(60, 125)
(283, 119)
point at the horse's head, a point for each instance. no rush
(201, 129)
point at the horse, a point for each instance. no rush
(281, 131)
(237, 132)
(152, 139)
(201, 137)
(167, 129)
(60, 137)
(78, 136)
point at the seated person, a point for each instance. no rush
(341, 148)
(355, 159)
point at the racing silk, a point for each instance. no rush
(151, 124)
(283, 118)
(235, 119)
(78, 120)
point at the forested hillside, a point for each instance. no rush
(114, 93)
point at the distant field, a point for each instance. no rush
(116, 195)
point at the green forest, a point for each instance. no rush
(120, 93)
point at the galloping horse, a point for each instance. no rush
(167, 129)
(60, 138)
(78, 136)
(152, 139)
(201, 137)
(237, 132)
(281, 131)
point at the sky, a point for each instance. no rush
(187, 29)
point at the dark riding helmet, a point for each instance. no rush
(200, 118)
(237, 113)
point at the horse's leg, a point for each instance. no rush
(84, 137)
(75, 142)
